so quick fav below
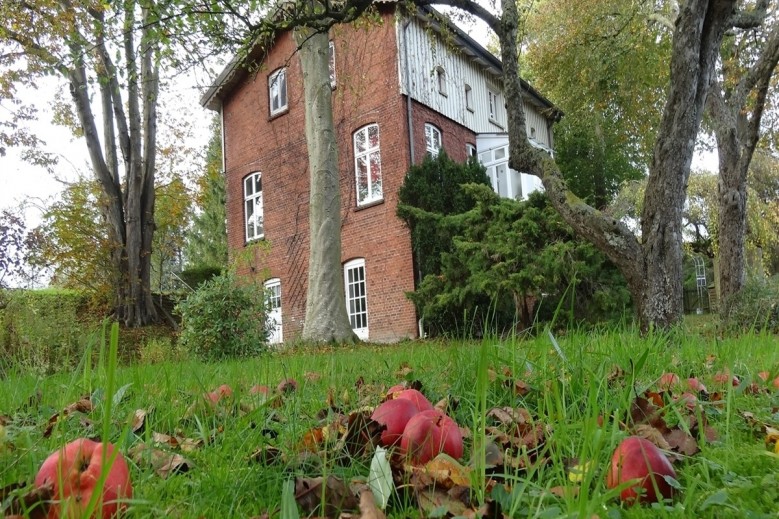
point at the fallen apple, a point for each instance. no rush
(640, 461)
(422, 403)
(668, 380)
(224, 391)
(259, 390)
(394, 415)
(428, 434)
(696, 385)
(74, 472)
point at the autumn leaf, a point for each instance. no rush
(83, 405)
(311, 493)
(164, 463)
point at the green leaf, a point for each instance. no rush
(380, 478)
(289, 507)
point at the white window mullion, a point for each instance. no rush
(355, 288)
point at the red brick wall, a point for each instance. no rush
(367, 92)
(454, 136)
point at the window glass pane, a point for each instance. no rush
(373, 135)
(257, 183)
(376, 191)
(359, 141)
(500, 153)
(332, 63)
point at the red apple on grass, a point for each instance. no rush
(394, 415)
(639, 460)
(74, 472)
(421, 402)
(428, 434)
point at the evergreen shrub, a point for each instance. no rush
(224, 319)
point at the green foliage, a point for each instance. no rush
(431, 190)
(583, 56)
(76, 242)
(508, 258)
(593, 160)
(173, 206)
(207, 239)
(755, 307)
(224, 319)
(196, 276)
(44, 330)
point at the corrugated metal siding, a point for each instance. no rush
(426, 51)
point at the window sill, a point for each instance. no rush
(443, 93)
(470, 109)
(496, 123)
(246, 243)
(278, 114)
(366, 205)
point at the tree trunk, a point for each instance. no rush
(326, 317)
(736, 108)
(732, 223)
(652, 268)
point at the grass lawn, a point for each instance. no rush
(580, 396)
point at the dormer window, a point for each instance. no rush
(532, 133)
(277, 91)
(440, 77)
(468, 97)
(493, 102)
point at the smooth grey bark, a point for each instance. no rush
(736, 106)
(326, 318)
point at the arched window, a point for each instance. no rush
(432, 140)
(252, 202)
(440, 77)
(367, 164)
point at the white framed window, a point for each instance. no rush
(355, 288)
(470, 150)
(367, 164)
(273, 308)
(432, 140)
(277, 91)
(505, 181)
(493, 98)
(332, 64)
(468, 97)
(440, 78)
(252, 201)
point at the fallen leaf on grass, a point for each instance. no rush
(438, 502)
(163, 462)
(138, 421)
(312, 493)
(83, 405)
(443, 471)
(367, 506)
(26, 500)
(267, 455)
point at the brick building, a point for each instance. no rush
(399, 92)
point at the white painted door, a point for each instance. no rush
(273, 303)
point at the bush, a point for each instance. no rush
(756, 307)
(45, 331)
(196, 276)
(223, 319)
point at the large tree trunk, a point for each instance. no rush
(653, 267)
(326, 317)
(736, 107)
